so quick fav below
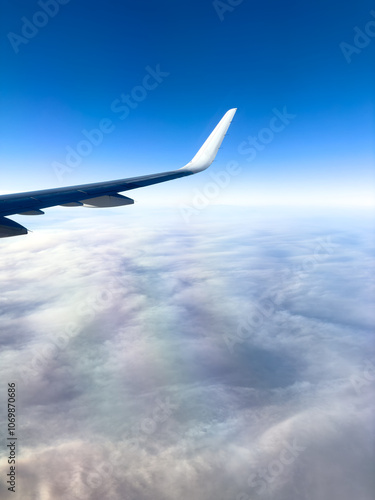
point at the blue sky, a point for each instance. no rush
(256, 57)
(187, 349)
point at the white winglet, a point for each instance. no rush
(208, 151)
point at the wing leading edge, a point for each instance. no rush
(104, 194)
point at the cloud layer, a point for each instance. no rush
(228, 358)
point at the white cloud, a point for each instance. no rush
(114, 328)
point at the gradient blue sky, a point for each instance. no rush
(254, 322)
(260, 56)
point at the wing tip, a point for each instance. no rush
(207, 153)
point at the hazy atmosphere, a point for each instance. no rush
(216, 339)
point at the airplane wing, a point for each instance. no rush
(103, 194)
